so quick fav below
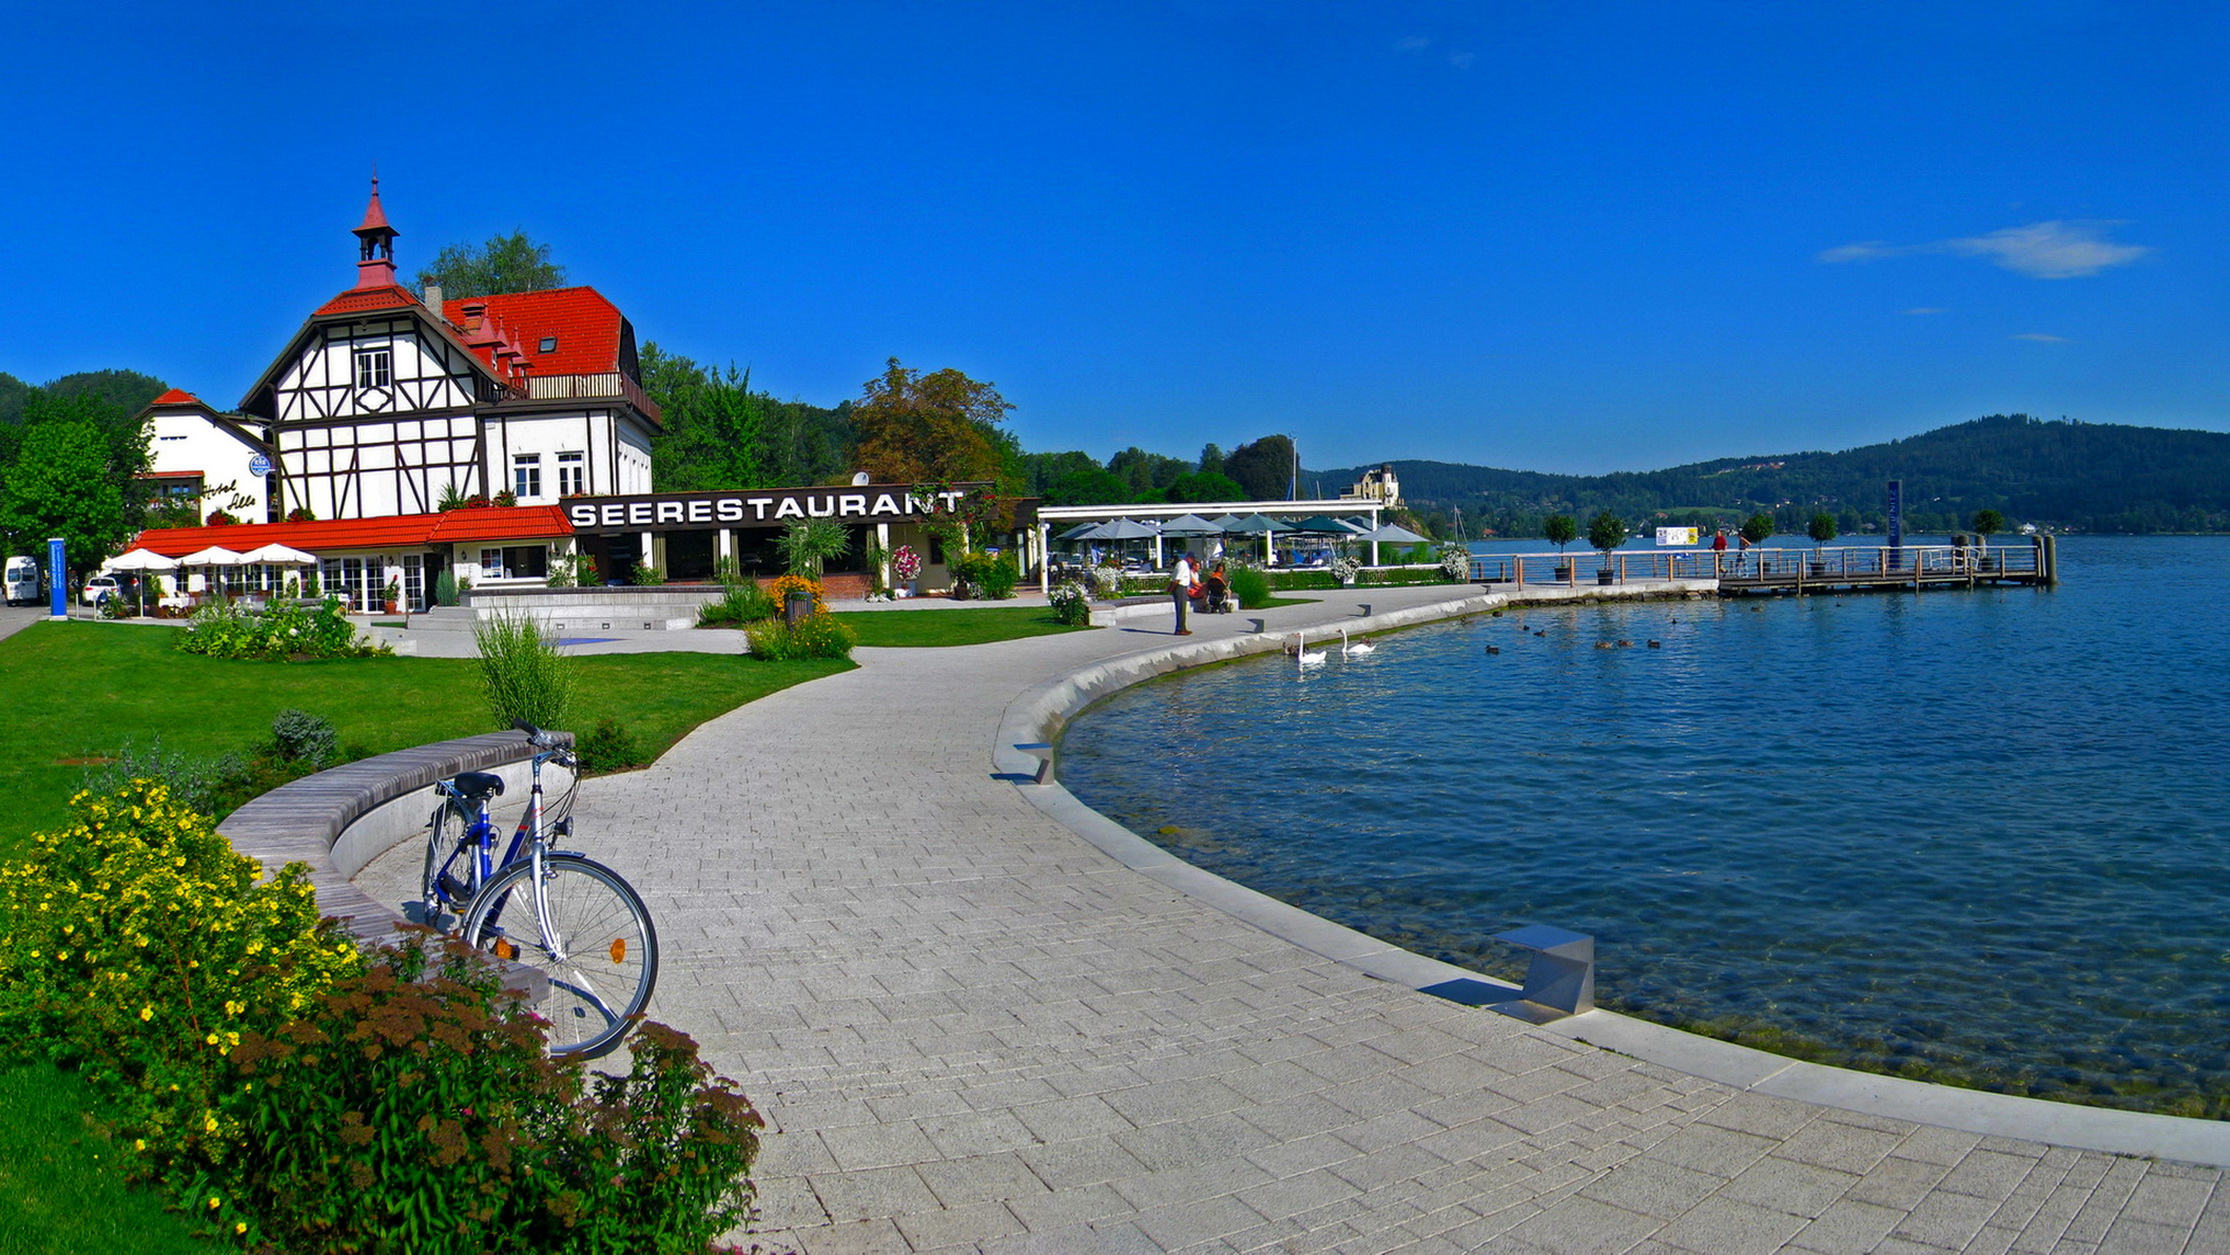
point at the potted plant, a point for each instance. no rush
(1757, 529)
(1606, 531)
(394, 596)
(1822, 530)
(905, 568)
(1562, 530)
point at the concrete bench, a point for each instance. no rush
(339, 820)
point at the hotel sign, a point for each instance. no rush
(688, 511)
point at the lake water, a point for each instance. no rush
(1958, 834)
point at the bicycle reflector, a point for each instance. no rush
(504, 949)
(619, 949)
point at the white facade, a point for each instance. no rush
(186, 440)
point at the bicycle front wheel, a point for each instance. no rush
(598, 949)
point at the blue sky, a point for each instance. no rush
(1539, 235)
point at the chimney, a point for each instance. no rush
(433, 298)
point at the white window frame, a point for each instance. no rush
(375, 367)
(572, 470)
(526, 475)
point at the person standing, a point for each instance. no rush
(1180, 590)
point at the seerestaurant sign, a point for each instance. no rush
(767, 507)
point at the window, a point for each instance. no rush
(516, 562)
(572, 474)
(375, 368)
(526, 475)
(549, 344)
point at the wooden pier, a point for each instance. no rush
(2032, 562)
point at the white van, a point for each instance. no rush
(22, 580)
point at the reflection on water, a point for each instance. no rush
(1978, 830)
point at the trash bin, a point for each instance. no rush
(797, 604)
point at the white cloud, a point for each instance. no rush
(1923, 309)
(1462, 60)
(2058, 249)
(2038, 336)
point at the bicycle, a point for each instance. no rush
(579, 923)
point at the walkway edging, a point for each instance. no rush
(1040, 714)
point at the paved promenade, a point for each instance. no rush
(971, 1031)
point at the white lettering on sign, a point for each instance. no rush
(615, 516)
(731, 510)
(582, 515)
(639, 512)
(788, 509)
(700, 512)
(712, 508)
(852, 503)
(821, 507)
(884, 505)
(759, 506)
(669, 512)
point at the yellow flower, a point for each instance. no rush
(147, 1012)
(212, 1197)
(139, 1143)
(239, 1226)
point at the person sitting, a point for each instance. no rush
(1215, 592)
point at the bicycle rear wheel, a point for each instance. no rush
(443, 833)
(604, 963)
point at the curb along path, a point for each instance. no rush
(970, 1031)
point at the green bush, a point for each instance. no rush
(814, 636)
(414, 1109)
(141, 948)
(646, 575)
(286, 632)
(610, 747)
(741, 601)
(999, 576)
(445, 587)
(197, 784)
(299, 736)
(522, 674)
(968, 571)
(1251, 586)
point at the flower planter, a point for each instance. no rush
(1563, 574)
(1606, 577)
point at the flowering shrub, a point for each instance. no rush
(1070, 605)
(780, 589)
(1345, 568)
(414, 1110)
(285, 632)
(1107, 582)
(905, 564)
(141, 947)
(1455, 560)
(814, 636)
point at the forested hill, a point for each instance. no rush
(2068, 475)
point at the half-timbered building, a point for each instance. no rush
(391, 402)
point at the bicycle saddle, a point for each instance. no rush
(478, 784)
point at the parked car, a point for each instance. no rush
(98, 587)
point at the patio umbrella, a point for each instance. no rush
(1126, 529)
(1259, 525)
(1394, 534)
(1189, 525)
(213, 556)
(142, 560)
(276, 554)
(1324, 525)
(1082, 531)
(1229, 522)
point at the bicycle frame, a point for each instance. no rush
(479, 839)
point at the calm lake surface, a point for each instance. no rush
(1977, 834)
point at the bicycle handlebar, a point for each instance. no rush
(541, 740)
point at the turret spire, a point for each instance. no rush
(375, 266)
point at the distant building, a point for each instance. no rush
(1379, 485)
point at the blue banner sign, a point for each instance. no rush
(57, 579)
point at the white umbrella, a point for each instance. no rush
(276, 554)
(143, 560)
(213, 556)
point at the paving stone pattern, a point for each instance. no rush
(971, 1032)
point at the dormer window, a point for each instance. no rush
(549, 344)
(375, 368)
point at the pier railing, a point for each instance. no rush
(1761, 567)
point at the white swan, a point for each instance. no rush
(1301, 652)
(1359, 647)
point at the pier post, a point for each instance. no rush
(2047, 557)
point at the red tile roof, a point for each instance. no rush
(585, 325)
(177, 396)
(365, 300)
(534, 522)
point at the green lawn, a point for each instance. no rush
(59, 1192)
(82, 690)
(917, 629)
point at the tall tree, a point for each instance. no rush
(1211, 459)
(13, 393)
(715, 435)
(943, 426)
(1264, 469)
(506, 263)
(61, 484)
